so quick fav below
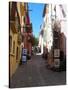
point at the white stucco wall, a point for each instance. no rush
(41, 43)
(47, 24)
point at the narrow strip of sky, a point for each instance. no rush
(36, 16)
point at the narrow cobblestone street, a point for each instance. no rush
(35, 73)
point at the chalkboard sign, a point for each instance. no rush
(24, 51)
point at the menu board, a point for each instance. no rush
(56, 52)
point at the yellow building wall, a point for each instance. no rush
(13, 62)
(22, 9)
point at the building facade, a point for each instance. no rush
(27, 31)
(40, 43)
(47, 36)
(20, 33)
(14, 37)
(54, 25)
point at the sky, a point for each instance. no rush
(36, 16)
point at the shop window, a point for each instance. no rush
(10, 43)
(13, 47)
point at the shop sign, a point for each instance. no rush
(24, 58)
(56, 63)
(56, 52)
(24, 51)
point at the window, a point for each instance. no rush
(13, 47)
(16, 21)
(17, 53)
(10, 43)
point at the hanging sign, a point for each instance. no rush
(56, 52)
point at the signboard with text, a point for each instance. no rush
(56, 52)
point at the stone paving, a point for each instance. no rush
(35, 73)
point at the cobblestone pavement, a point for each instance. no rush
(35, 73)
